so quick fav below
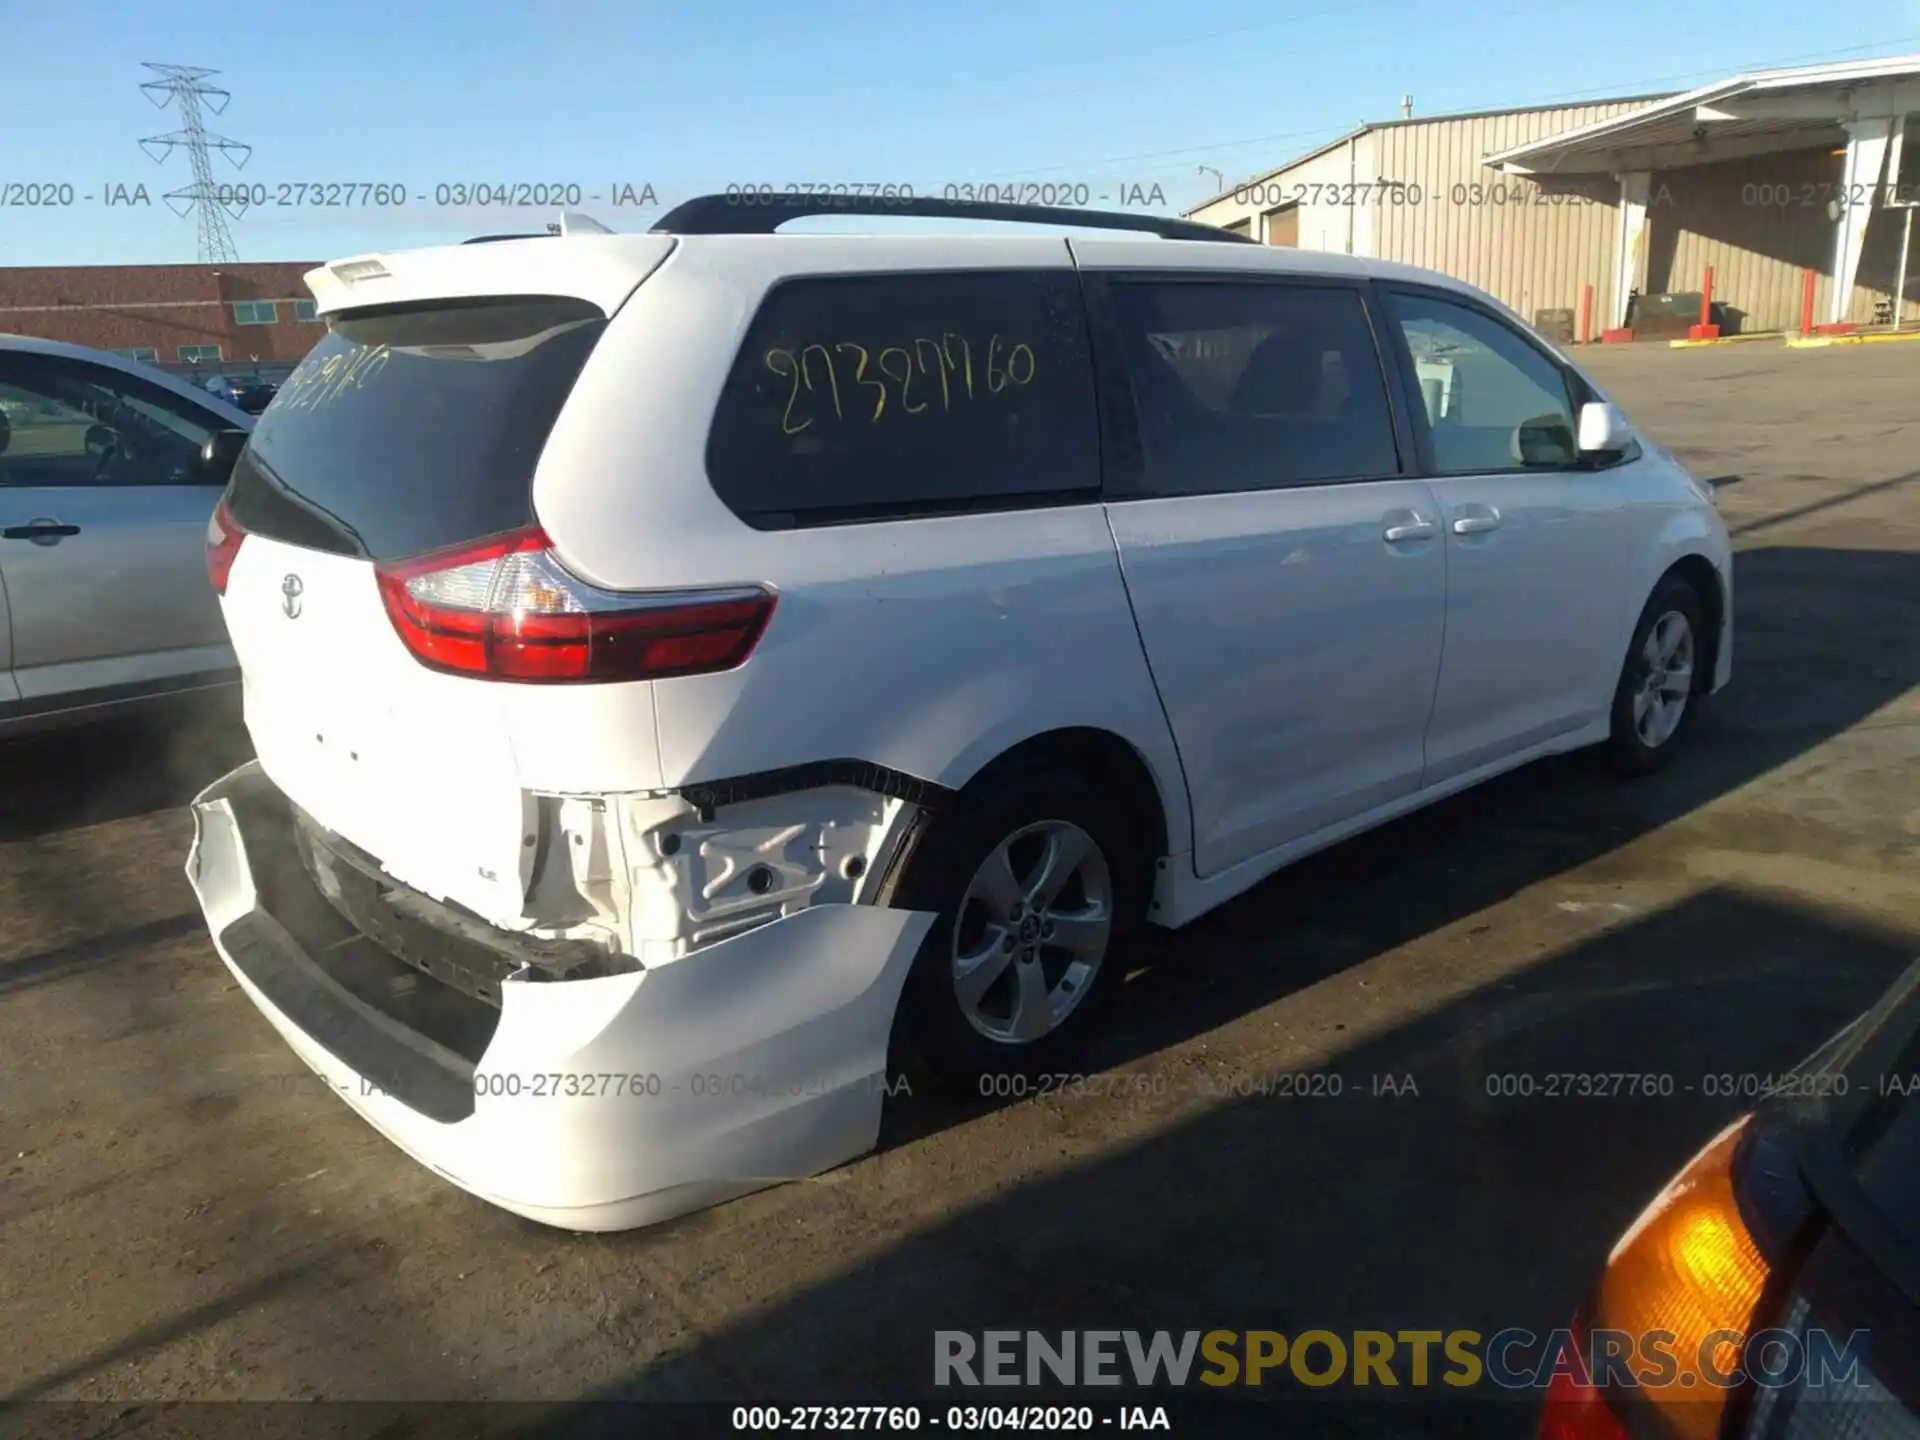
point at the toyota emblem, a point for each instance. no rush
(290, 592)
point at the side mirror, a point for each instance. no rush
(1544, 442)
(1603, 430)
(223, 447)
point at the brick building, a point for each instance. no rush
(181, 316)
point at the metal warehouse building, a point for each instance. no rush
(1793, 185)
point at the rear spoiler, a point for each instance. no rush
(598, 266)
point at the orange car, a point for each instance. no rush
(1773, 1288)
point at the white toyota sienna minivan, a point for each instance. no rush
(698, 675)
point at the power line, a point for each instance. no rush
(184, 84)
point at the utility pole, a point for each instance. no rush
(185, 84)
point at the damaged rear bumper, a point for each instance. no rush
(597, 1103)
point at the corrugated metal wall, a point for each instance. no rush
(1315, 193)
(1312, 191)
(1762, 224)
(1532, 245)
(1535, 241)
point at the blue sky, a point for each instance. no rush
(694, 97)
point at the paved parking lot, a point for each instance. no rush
(180, 1216)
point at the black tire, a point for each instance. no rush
(934, 1041)
(1629, 751)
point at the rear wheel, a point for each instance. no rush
(1040, 885)
(1661, 682)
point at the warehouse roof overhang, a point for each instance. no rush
(1240, 187)
(1760, 113)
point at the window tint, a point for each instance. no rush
(409, 428)
(1248, 387)
(66, 423)
(884, 395)
(1491, 400)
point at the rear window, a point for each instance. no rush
(410, 428)
(1253, 386)
(879, 396)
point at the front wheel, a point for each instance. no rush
(1040, 885)
(1661, 683)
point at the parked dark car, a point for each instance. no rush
(1783, 1263)
(251, 393)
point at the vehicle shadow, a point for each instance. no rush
(1822, 641)
(1455, 1208)
(61, 961)
(89, 775)
(1444, 1203)
(1818, 649)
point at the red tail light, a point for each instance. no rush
(1575, 1409)
(223, 546)
(504, 609)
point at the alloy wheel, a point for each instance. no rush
(1032, 931)
(1666, 685)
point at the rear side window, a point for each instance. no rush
(1246, 386)
(879, 396)
(69, 423)
(409, 428)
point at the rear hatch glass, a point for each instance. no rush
(413, 427)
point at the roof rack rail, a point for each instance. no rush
(756, 215)
(489, 239)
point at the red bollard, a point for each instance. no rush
(1586, 314)
(1706, 329)
(1806, 305)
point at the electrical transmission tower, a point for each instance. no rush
(185, 84)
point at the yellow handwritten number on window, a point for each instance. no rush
(949, 358)
(833, 381)
(946, 398)
(905, 378)
(792, 372)
(860, 378)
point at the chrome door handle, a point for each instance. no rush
(1415, 529)
(1477, 524)
(42, 530)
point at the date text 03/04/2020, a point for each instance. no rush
(1634, 1085)
(1231, 1085)
(989, 1419)
(1392, 194)
(642, 1086)
(239, 196)
(1067, 194)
